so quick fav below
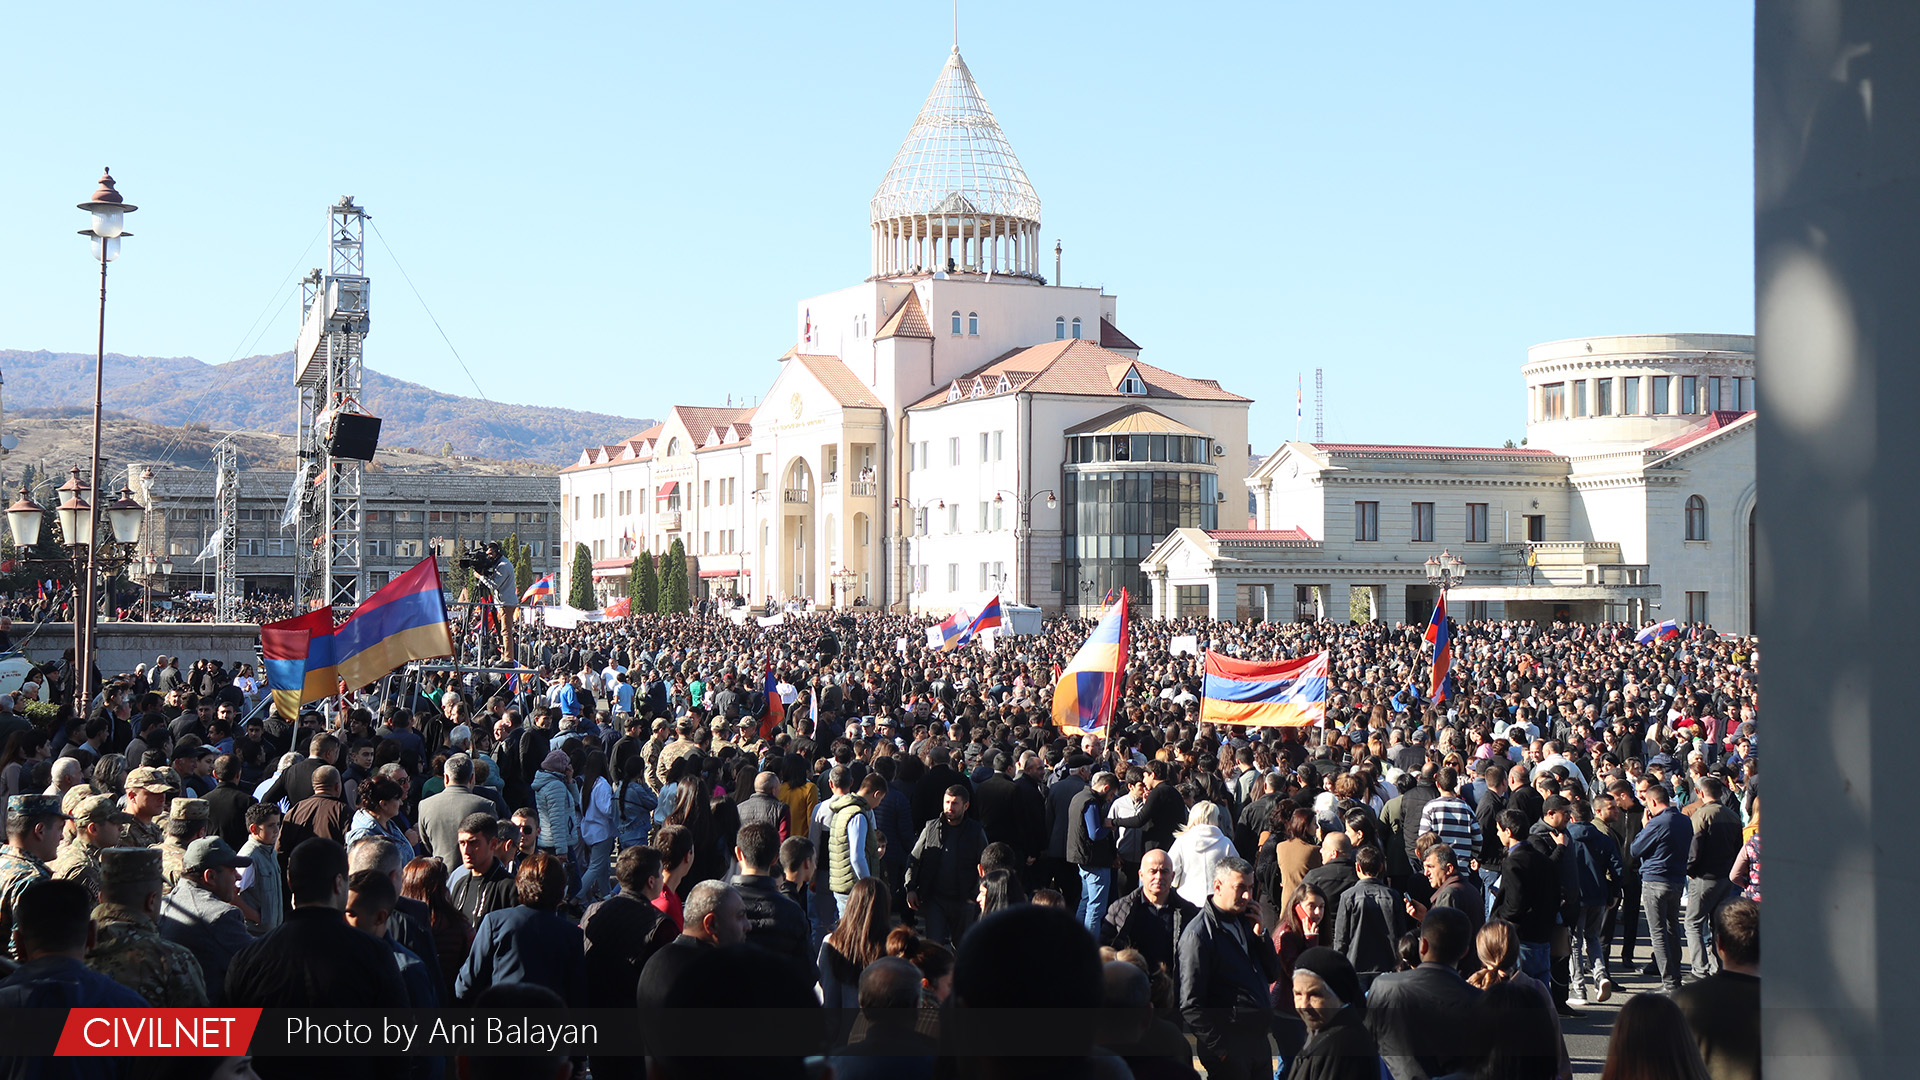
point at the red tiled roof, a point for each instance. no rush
(700, 419)
(1256, 536)
(601, 456)
(1714, 422)
(1082, 368)
(1112, 338)
(1388, 448)
(840, 381)
(909, 320)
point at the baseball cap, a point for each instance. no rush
(33, 806)
(211, 851)
(148, 777)
(100, 810)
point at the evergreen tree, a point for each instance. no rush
(633, 585)
(580, 580)
(522, 572)
(673, 590)
(646, 595)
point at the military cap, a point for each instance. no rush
(99, 810)
(211, 851)
(33, 806)
(150, 778)
(190, 810)
(71, 798)
(129, 865)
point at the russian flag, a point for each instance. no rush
(405, 620)
(1663, 631)
(1440, 636)
(1086, 692)
(1284, 693)
(774, 710)
(298, 655)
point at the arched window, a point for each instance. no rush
(956, 324)
(1696, 518)
(973, 324)
(1059, 328)
(1076, 329)
(673, 447)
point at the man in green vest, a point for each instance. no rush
(853, 841)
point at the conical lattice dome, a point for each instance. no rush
(956, 155)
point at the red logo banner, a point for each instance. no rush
(157, 1032)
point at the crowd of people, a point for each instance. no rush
(676, 811)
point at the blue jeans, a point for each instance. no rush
(595, 882)
(1536, 960)
(1096, 887)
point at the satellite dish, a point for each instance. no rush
(8, 442)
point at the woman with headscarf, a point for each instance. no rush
(1327, 997)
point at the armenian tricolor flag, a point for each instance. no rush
(1440, 636)
(953, 632)
(989, 617)
(1088, 689)
(299, 659)
(1284, 693)
(405, 620)
(544, 585)
(774, 710)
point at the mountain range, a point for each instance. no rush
(256, 394)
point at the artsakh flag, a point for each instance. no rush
(1440, 636)
(1086, 693)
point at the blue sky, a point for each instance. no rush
(616, 206)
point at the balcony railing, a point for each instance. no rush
(860, 488)
(670, 520)
(797, 495)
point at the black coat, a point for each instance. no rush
(1344, 1050)
(774, 922)
(1529, 893)
(314, 960)
(938, 842)
(1133, 922)
(997, 800)
(664, 968)
(930, 796)
(622, 932)
(1223, 986)
(1423, 1021)
(1159, 816)
(1333, 879)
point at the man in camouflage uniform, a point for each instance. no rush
(98, 822)
(187, 821)
(128, 947)
(147, 792)
(34, 824)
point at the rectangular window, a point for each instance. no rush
(986, 446)
(1661, 405)
(953, 577)
(983, 577)
(576, 508)
(1630, 396)
(1713, 394)
(1053, 576)
(1476, 523)
(407, 549)
(1536, 528)
(953, 450)
(1423, 523)
(285, 547)
(1580, 397)
(999, 574)
(249, 546)
(1553, 401)
(1689, 394)
(1733, 394)
(1366, 521)
(536, 548)
(983, 518)
(706, 493)
(1696, 607)
(998, 518)
(999, 445)
(953, 518)
(381, 548)
(1603, 397)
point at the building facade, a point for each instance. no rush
(1633, 498)
(409, 515)
(949, 429)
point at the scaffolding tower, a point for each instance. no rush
(327, 380)
(226, 501)
(1319, 405)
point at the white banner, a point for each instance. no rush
(934, 638)
(1184, 645)
(772, 620)
(562, 617)
(900, 646)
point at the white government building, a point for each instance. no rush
(954, 427)
(1633, 499)
(951, 428)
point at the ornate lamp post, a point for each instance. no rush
(1445, 571)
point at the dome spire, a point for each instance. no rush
(955, 197)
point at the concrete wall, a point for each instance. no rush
(121, 646)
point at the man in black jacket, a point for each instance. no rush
(623, 931)
(1423, 1019)
(314, 960)
(1225, 969)
(1336, 873)
(1151, 917)
(1492, 801)
(1529, 895)
(1092, 849)
(481, 883)
(774, 922)
(1055, 871)
(943, 876)
(1162, 810)
(940, 776)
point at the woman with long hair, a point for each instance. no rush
(596, 827)
(425, 880)
(1198, 847)
(1499, 947)
(1651, 1041)
(633, 805)
(999, 889)
(693, 811)
(1292, 849)
(858, 939)
(24, 750)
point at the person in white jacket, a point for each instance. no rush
(1198, 847)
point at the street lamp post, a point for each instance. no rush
(109, 212)
(844, 578)
(1445, 570)
(1024, 533)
